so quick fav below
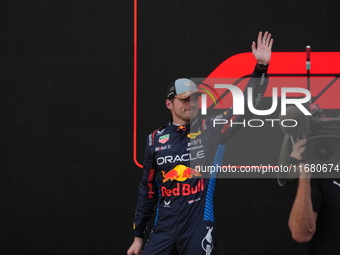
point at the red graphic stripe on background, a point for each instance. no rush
(241, 65)
(135, 84)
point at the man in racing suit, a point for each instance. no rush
(182, 196)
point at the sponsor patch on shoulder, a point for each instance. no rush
(164, 138)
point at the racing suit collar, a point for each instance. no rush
(185, 127)
(179, 127)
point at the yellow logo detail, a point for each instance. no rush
(194, 135)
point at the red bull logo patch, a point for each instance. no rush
(181, 128)
(180, 173)
(184, 189)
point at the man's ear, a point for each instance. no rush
(168, 104)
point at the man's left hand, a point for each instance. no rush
(263, 50)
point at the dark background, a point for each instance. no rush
(68, 183)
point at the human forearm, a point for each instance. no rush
(302, 217)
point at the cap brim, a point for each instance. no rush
(187, 94)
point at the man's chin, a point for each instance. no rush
(193, 116)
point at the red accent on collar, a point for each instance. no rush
(181, 128)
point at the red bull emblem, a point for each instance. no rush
(180, 173)
(181, 128)
(184, 189)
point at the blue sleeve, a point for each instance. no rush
(258, 82)
(148, 193)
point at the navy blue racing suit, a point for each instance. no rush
(181, 196)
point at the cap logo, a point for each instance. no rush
(186, 94)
